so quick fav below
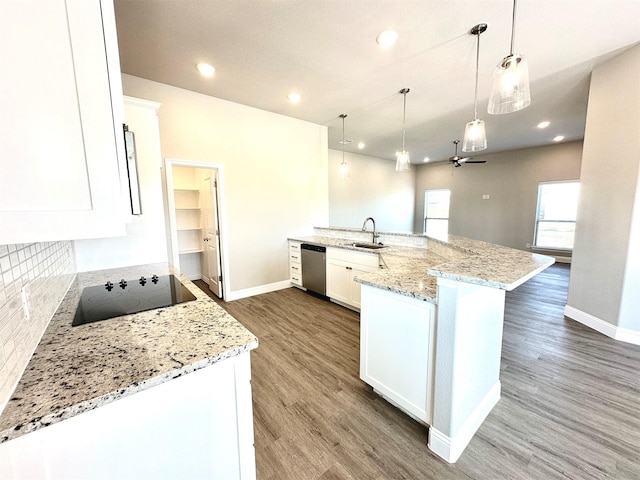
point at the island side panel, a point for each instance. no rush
(467, 364)
(397, 349)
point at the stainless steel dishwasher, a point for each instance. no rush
(313, 268)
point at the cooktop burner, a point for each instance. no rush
(129, 296)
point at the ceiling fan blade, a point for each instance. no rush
(476, 161)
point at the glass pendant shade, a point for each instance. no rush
(402, 161)
(343, 172)
(510, 91)
(475, 136)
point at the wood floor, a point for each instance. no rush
(570, 405)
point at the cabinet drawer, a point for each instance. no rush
(295, 269)
(296, 279)
(294, 252)
(295, 273)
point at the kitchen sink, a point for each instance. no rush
(370, 246)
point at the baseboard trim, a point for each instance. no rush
(617, 333)
(250, 292)
(450, 448)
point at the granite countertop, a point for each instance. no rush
(76, 369)
(413, 271)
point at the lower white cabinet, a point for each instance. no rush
(199, 425)
(397, 350)
(342, 267)
(295, 263)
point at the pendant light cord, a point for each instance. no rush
(513, 27)
(404, 116)
(475, 98)
(404, 92)
(343, 116)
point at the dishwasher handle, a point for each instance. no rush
(315, 248)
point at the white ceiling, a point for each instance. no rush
(326, 50)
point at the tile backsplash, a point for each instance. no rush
(43, 271)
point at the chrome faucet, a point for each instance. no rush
(364, 228)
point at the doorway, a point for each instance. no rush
(195, 204)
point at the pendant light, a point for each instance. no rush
(343, 173)
(475, 137)
(402, 157)
(510, 91)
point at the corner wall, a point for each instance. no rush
(605, 274)
(275, 174)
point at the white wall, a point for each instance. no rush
(373, 189)
(275, 173)
(605, 275)
(145, 241)
(510, 178)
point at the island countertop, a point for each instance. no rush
(413, 270)
(76, 369)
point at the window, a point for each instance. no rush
(436, 213)
(556, 215)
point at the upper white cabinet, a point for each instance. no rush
(61, 140)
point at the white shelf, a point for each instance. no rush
(187, 252)
(188, 229)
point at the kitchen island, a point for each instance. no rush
(431, 325)
(163, 393)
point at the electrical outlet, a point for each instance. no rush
(486, 196)
(26, 300)
(528, 245)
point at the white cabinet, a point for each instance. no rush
(342, 267)
(61, 138)
(295, 264)
(199, 425)
(397, 349)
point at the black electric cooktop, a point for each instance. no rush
(129, 296)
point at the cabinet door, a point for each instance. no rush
(338, 282)
(354, 287)
(59, 143)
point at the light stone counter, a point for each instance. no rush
(76, 369)
(413, 270)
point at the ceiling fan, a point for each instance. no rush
(458, 160)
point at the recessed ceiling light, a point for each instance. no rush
(426, 159)
(294, 97)
(360, 145)
(558, 138)
(205, 69)
(544, 124)
(387, 38)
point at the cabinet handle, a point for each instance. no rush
(348, 268)
(295, 268)
(293, 256)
